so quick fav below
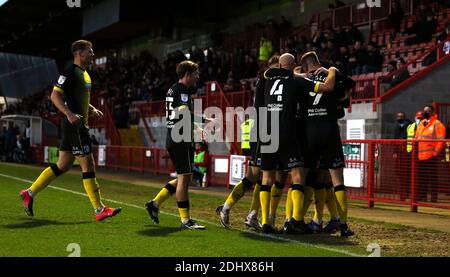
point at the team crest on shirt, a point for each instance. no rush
(61, 80)
(86, 149)
(184, 97)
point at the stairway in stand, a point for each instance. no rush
(130, 136)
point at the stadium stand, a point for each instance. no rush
(375, 46)
(132, 88)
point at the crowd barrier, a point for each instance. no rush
(377, 171)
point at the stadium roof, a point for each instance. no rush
(46, 28)
(38, 27)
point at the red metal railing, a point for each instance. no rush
(370, 89)
(150, 108)
(391, 174)
(216, 97)
(137, 110)
(106, 121)
(358, 14)
(380, 171)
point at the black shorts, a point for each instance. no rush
(182, 156)
(321, 145)
(75, 139)
(287, 157)
(255, 157)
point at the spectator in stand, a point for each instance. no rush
(430, 151)
(272, 30)
(285, 26)
(265, 50)
(10, 141)
(250, 67)
(444, 3)
(375, 59)
(396, 16)
(336, 4)
(401, 126)
(358, 59)
(317, 38)
(201, 164)
(27, 133)
(341, 37)
(353, 34)
(342, 60)
(19, 152)
(424, 27)
(231, 83)
(322, 53)
(446, 48)
(333, 52)
(394, 79)
(402, 75)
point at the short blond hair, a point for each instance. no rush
(80, 45)
(186, 67)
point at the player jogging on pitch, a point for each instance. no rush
(178, 98)
(71, 95)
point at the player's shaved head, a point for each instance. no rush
(287, 61)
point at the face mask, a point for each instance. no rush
(426, 115)
(417, 121)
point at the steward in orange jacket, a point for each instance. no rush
(430, 129)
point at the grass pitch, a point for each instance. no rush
(63, 215)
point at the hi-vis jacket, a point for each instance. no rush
(431, 130)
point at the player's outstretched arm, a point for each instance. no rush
(328, 86)
(93, 110)
(61, 106)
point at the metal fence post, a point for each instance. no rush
(371, 177)
(129, 158)
(156, 165)
(143, 152)
(412, 197)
